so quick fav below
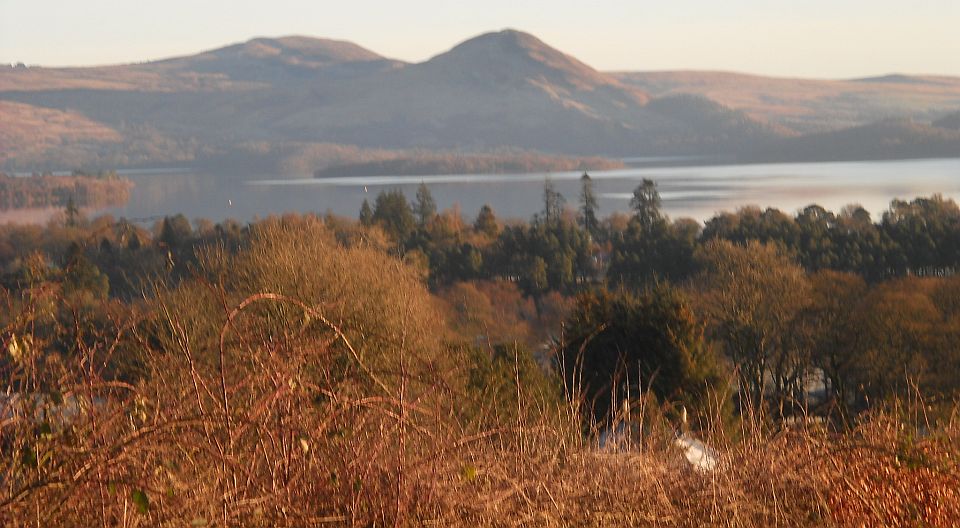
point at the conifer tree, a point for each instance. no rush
(553, 203)
(425, 206)
(366, 214)
(588, 205)
(72, 213)
(486, 222)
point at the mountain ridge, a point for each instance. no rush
(499, 89)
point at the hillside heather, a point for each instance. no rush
(297, 374)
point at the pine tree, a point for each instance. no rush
(174, 231)
(486, 222)
(72, 213)
(425, 207)
(392, 212)
(652, 337)
(366, 214)
(553, 203)
(646, 204)
(588, 206)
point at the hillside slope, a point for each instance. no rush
(503, 89)
(889, 139)
(810, 105)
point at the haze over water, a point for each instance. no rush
(698, 192)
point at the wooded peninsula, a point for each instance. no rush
(83, 189)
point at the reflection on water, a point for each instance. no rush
(29, 215)
(696, 191)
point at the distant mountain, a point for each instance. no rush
(509, 58)
(299, 51)
(271, 60)
(501, 89)
(278, 98)
(810, 105)
(265, 60)
(890, 139)
(892, 78)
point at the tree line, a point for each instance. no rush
(816, 312)
(83, 189)
(819, 308)
(561, 248)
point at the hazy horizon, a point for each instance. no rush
(817, 39)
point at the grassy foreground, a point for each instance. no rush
(272, 448)
(302, 383)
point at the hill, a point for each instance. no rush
(496, 90)
(810, 105)
(499, 90)
(272, 60)
(889, 139)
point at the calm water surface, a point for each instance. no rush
(697, 191)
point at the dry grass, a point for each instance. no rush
(276, 412)
(282, 439)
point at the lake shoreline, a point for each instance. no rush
(691, 190)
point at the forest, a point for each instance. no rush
(79, 189)
(496, 162)
(418, 367)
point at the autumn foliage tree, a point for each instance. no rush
(751, 293)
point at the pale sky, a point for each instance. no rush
(804, 38)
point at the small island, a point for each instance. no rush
(426, 163)
(85, 188)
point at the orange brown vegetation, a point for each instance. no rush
(891, 479)
(32, 129)
(293, 381)
(56, 191)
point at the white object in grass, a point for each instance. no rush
(700, 456)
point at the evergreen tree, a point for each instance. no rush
(643, 256)
(553, 203)
(366, 214)
(175, 230)
(646, 204)
(535, 279)
(72, 213)
(83, 277)
(588, 205)
(486, 222)
(618, 343)
(425, 207)
(393, 213)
